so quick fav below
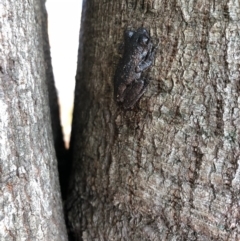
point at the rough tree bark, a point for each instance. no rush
(169, 168)
(30, 200)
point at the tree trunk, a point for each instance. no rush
(30, 199)
(169, 168)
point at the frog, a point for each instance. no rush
(138, 56)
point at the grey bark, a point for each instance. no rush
(169, 168)
(30, 199)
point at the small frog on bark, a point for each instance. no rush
(138, 56)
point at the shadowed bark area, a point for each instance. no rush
(169, 168)
(30, 199)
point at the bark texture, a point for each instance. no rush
(30, 200)
(169, 168)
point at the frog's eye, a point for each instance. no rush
(143, 40)
(130, 33)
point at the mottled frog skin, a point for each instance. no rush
(137, 57)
